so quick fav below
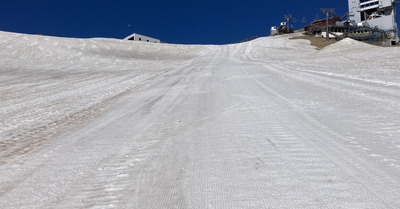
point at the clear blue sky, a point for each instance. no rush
(179, 21)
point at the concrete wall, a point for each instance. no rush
(385, 3)
(384, 23)
(354, 11)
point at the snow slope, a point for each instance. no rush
(271, 123)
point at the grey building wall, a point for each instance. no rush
(354, 11)
(373, 13)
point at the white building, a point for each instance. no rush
(142, 38)
(274, 30)
(374, 13)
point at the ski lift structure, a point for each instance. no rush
(370, 21)
(285, 27)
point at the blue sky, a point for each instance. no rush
(179, 21)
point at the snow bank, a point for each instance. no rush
(346, 44)
(279, 48)
(360, 61)
(346, 58)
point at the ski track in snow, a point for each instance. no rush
(271, 123)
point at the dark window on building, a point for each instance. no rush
(147, 40)
(363, 16)
(140, 39)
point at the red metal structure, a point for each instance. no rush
(321, 23)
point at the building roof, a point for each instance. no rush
(136, 34)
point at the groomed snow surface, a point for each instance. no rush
(271, 123)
